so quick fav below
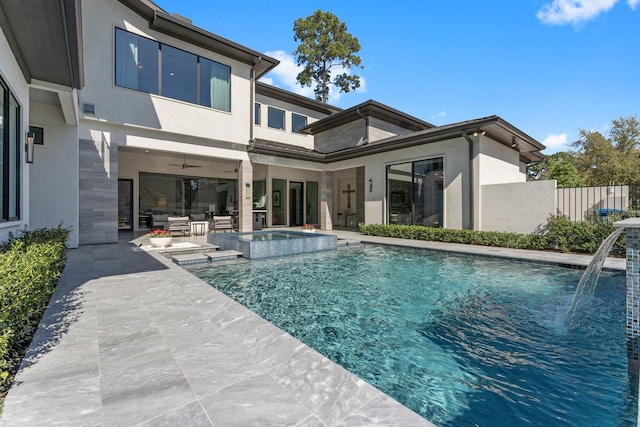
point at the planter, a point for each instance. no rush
(308, 231)
(160, 242)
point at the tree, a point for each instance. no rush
(559, 166)
(325, 43)
(614, 160)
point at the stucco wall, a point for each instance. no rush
(54, 173)
(498, 163)
(286, 136)
(517, 207)
(129, 107)
(456, 171)
(12, 76)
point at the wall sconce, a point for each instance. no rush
(29, 146)
(247, 190)
(479, 132)
(370, 185)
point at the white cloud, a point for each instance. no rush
(440, 115)
(633, 4)
(285, 74)
(562, 12)
(555, 142)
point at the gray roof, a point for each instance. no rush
(494, 127)
(368, 108)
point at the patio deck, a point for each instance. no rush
(130, 338)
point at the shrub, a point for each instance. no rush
(559, 234)
(30, 266)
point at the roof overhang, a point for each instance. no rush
(46, 39)
(294, 98)
(368, 108)
(493, 127)
(180, 28)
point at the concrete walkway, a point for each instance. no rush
(129, 338)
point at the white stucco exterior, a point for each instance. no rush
(74, 180)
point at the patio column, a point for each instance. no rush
(245, 196)
(326, 200)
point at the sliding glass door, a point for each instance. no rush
(415, 192)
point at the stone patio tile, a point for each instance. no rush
(123, 351)
(328, 390)
(192, 415)
(140, 393)
(257, 401)
(73, 362)
(383, 411)
(78, 404)
(210, 368)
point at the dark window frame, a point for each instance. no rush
(9, 193)
(159, 90)
(284, 115)
(295, 128)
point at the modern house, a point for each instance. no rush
(134, 112)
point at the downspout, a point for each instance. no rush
(366, 127)
(252, 101)
(471, 186)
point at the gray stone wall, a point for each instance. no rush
(341, 137)
(98, 213)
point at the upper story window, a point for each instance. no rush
(179, 74)
(256, 114)
(275, 118)
(10, 145)
(215, 85)
(152, 67)
(298, 121)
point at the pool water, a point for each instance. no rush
(461, 340)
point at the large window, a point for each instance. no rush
(186, 195)
(415, 192)
(137, 67)
(297, 121)
(179, 74)
(9, 155)
(275, 118)
(136, 62)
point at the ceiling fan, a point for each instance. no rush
(184, 164)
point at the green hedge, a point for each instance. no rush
(558, 234)
(30, 266)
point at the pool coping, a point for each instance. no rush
(130, 338)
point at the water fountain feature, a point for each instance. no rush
(589, 278)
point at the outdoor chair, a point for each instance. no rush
(221, 223)
(159, 221)
(179, 223)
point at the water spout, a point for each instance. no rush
(589, 279)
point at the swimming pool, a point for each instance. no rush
(461, 340)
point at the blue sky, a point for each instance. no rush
(549, 67)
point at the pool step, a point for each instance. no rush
(198, 258)
(223, 255)
(347, 242)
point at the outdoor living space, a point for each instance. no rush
(131, 338)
